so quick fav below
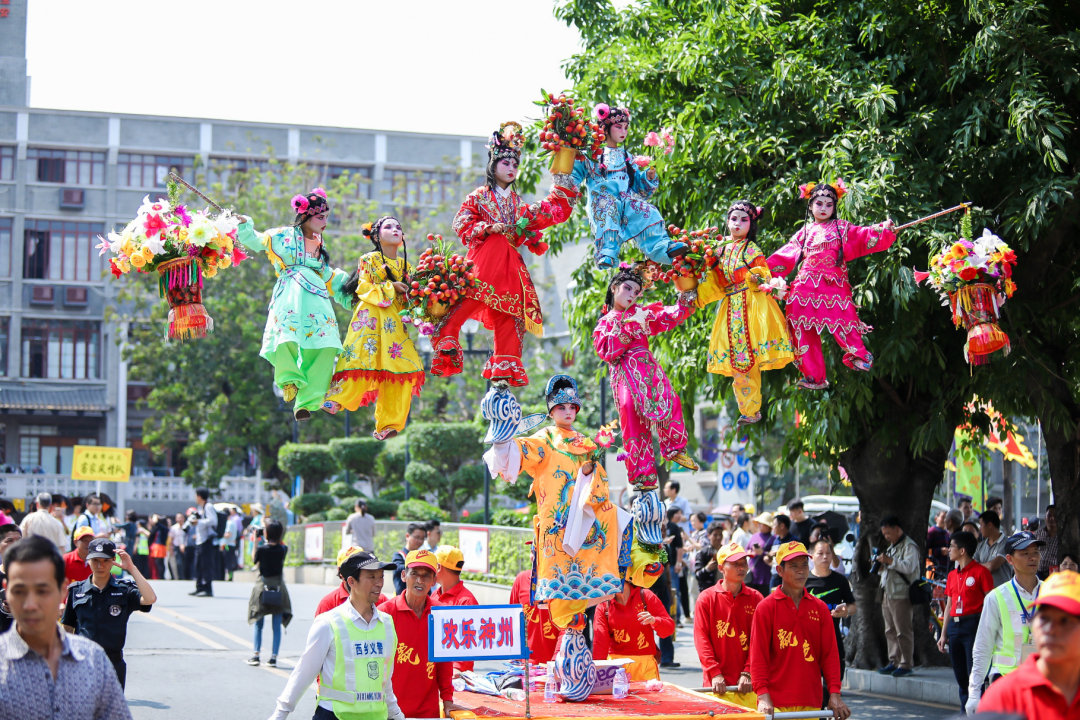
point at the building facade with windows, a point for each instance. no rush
(67, 177)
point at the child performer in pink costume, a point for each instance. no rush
(642, 390)
(819, 298)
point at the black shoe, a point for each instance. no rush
(253, 660)
(888, 669)
(670, 665)
(272, 662)
(197, 593)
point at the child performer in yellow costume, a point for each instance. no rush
(378, 361)
(750, 334)
(577, 528)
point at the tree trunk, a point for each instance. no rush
(1063, 454)
(888, 480)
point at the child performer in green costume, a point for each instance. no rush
(301, 336)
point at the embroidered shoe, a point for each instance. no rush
(301, 415)
(677, 249)
(686, 461)
(574, 667)
(749, 419)
(606, 262)
(809, 385)
(649, 516)
(385, 434)
(288, 393)
(331, 406)
(859, 364)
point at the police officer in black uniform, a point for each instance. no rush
(98, 607)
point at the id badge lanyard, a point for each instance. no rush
(1025, 616)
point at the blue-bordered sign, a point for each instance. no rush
(476, 632)
(728, 480)
(743, 480)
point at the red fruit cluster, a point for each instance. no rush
(567, 126)
(441, 275)
(703, 256)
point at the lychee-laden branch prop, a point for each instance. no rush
(961, 206)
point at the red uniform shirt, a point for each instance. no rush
(617, 630)
(542, 635)
(75, 568)
(338, 597)
(967, 588)
(792, 649)
(722, 625)
(1026, 692)
(418, 682)
(457, 595)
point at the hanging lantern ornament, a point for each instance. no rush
(180, 283)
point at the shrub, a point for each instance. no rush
(420, 510)
(309, 504)
(357, 455)
(509, 518)
(382, 509)
(395, 494)
(315, 518)
(390, 464)
(312, 462)
(337, 513)
(341, 489)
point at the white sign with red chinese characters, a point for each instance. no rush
(476, 632)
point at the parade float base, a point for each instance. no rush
(673, 703)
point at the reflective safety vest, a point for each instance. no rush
(1009, 654)
(361, 665)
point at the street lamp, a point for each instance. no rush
(761, 470)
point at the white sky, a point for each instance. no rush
(412, 65)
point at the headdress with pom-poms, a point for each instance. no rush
(312, 203)
(607, 116)
(837, 190)
(642, 272)
(506, 142)
(749, 208)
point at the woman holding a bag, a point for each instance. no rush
(270, 596)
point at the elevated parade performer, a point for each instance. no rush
(819, 298)
(301, 336)
(494, 222)
(750, 334)
(378, 362)
(577, 528)
(647, 403)
(618, 204)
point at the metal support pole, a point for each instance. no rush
(487, 495)
(346, 437)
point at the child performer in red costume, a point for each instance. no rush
(493, 222)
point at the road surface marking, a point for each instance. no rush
(187, 631)
(207, 626)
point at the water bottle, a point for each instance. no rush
(459, 685)
(620, 688)
(654, 685)
(515, 694)
(550, 685)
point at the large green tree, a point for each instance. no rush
(918, 107)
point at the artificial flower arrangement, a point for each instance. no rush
(438, 282)
(703, 257)
(663, 141)
(600, 443)
(567, 131)
(182, 247)
(974, 278)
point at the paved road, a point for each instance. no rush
(186, 660)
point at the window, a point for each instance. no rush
(60, 349)
(5, 246)
(416, 187)
(222, 170)
(361, 176)
(42, 448)
(59, 250)
(7, 163)
(74, 167)
(151, 171)
(5, 323)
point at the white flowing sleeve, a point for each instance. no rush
(504, 459)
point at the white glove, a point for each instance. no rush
(972, 705)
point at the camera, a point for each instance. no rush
(875, 565)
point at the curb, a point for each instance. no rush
(914, 687)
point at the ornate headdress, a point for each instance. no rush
(506, 142)
(641, 272)
(312, 203)
(809, 191)
(747, 207)
(371, 230)
(608, 116)
(562, 389)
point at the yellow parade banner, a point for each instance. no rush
(106, 464)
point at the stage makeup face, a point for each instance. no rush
(625, 294)
(617, 132)
(738, 224)
(506, 171)
(822, 208)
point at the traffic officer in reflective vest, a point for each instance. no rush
(351, 649)
(1004, 640)
(98, 607)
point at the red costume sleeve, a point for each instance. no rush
(760, 641)
(662, 319)
(786, 258)
(830, 653)
(664, 625)
(609, 341)
(861, 241)
(601, 632)
(703, 623)
(469, 223)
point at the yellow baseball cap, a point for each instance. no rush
(347, 552)
(422, 558)
(1062, 591)
(83, 532)
(790, 551)
(450, 557)
(732, 552)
